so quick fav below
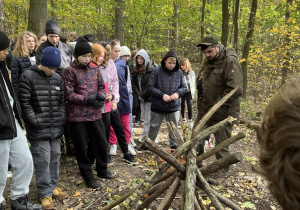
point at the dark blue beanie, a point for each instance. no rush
(51, 57)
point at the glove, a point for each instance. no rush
(100, 98)
(90, 101)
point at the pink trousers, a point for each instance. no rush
(125, 122)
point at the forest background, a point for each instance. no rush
(265, 33)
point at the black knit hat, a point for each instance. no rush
(82, 47)
(52, 27)
(4, 41)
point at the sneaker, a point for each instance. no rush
(128, 158)
(9, 174)
(47, 203)
(93, 184)
(191, 123)
(23, 203)
(109, 160)
(208, 145)
(141, 149)
(136, 123)
(57, 193)
(156, 141)
(113, 150)
(184, 120)
(132, 143)
(105, 175)
(131, 150)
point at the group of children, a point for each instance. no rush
(90, 87)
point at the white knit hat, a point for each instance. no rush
(125, 51)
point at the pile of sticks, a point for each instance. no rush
(192, 174)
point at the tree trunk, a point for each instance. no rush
(236, 26)
(202, 26)
(174, 32)
(119, 25)
(225, 22)
(38, 15)
(1, 16)
(171, 192)
(287, 41)
(247, 44)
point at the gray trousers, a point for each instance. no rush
(145, 108)
(155, 122)
(46, 155)
(16, 153)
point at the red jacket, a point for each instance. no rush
(81, 83)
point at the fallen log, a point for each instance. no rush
(222, 163)
(175, 134)
(171, 192)
(118, 201)
(157, 193)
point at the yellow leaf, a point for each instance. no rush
(77, 193)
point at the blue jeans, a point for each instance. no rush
(46, 155)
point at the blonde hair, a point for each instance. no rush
(186, 62)
(97, 51)
(20, 49)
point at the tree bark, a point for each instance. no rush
(174, 32)
(222, 163)
(236, 26)
(246, 47)
(119, 25)
(118, 201)
(202, 26)
(166, 202)
(157, 193)
(2, 17)
(287, 42)
(38, 15)
(225, 22)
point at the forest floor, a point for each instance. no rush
(240, 184)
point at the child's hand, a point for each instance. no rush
(108, 97)
(167, 98)
(114, 106)
(174, 96)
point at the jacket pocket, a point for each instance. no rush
(216, 77)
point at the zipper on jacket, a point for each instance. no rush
(49, 90)
(8, 107)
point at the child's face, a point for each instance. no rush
(183, 67)
(115, 52)
(125, 58)
(30, 43)
(170, 63)
(85, 59)
(100, 59)
(140, 60)
(53, 38)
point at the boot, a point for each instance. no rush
(22, 203)
(47, 203)
(57, 193)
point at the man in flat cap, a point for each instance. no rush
(221, 73)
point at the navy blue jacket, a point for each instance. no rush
(17, 66)
(163, 81)
(124, 101)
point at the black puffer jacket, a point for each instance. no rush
(42, 102)
(65, 54)
(8, 114)
(163, 81)
(17, 66)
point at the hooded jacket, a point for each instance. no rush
(43, 104)
(139, 86)
(219, 78)
(8, 114)
(65, 53)
(163, 81)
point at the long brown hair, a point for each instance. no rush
(279, 140)
(139, 69)
(186, 62)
